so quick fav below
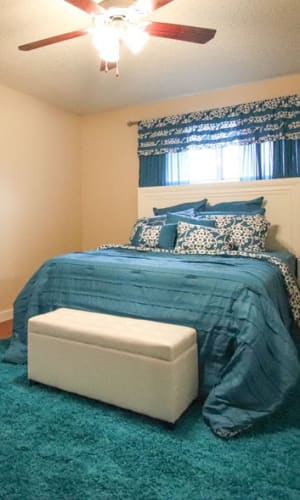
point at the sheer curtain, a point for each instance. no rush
(232, 163)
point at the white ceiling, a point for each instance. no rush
(255, 40)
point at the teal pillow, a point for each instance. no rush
(236, 206)
(134, 240)
(174, 218)
(154, 220)
(167, 236)
(252, 211)
(196, 205)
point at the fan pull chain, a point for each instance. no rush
(117, 70)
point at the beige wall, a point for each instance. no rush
(39, 188)
(110, 163)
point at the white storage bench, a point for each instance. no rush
(144, 366)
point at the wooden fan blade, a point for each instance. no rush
(87, 5)
(52, 39)
(157, 4)
(180, 32)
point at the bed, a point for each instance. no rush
(243, 304)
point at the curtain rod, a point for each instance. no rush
(130, 124)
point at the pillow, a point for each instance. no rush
(159, 236)
(167, 236)
(174, 218)
(246, 232)
(253, 211)
(189, 212)
(199, 239)
(148, 236)
(236, 206)
(157, 220)
(149, 221)
(195, 205)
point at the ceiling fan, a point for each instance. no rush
(118, 21)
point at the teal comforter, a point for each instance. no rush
(239, 306)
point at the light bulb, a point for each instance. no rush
(106, 41)
(110, 52)
(135, 38)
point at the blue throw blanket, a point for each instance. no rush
(238, 304)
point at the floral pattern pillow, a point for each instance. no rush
(149, 236)
(161, 236)
(149, 221)
(200, 239)
(246, 232)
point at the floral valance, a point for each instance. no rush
(254, 122)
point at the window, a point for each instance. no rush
(229, 163)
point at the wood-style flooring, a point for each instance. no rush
(5, 329)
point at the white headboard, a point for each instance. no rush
(282, 203)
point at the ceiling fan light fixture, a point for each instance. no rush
(121, 21)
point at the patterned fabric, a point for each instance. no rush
(255, 122)
(149, 221)
(155, 220)
(149, 236)
(197, 239)
(242, 232)
(246, 232)
(155, 236)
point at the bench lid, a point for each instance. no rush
(149, 338)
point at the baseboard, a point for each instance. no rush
(6, 315)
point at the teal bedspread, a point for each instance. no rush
(239, 306)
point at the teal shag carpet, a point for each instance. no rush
(59, 446)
